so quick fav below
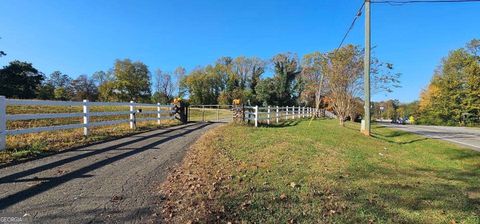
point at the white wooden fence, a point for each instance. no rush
(163, 112)
(273, 114)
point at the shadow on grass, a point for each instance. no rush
(385, 138)
(380, 127)
(282, 124)
(396, 136)
(291, 123)
(466, 154)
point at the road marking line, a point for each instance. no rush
(434, 137)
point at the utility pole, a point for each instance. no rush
(366, 119)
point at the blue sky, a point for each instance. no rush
(81, 37)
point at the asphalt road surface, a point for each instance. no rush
(468, 137)
(110, 182)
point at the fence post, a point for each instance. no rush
(293, 112)
(86, 117)
(132, 115)
(256, 116)
(203, 113)
(3, 123)
(268, 115)
(276, 115)
(159, 114)
(286, 113)
(243, 112)
(218, 112)
(303, 112)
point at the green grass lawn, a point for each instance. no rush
(323, 173)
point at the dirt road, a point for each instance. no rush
(109, 182)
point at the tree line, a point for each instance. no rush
(331, 80)
(394, 110)
(126, 81)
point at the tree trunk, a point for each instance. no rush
(342, 121)
(318, 95)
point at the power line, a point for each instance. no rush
(359, 13)
(396, 3)
(399, 3)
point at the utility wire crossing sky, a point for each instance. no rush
(81, 37)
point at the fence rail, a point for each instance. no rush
(163, 112)
(272, 114)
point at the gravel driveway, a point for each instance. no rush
(108, 182)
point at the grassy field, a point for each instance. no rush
(30, 145)
(209, 114)
(322, 173)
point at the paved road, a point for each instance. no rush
(469, 137)
(111, 182)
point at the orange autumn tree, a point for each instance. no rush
(453, 95)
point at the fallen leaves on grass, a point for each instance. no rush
(294, 185)
(190, 190)
(283, 197)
